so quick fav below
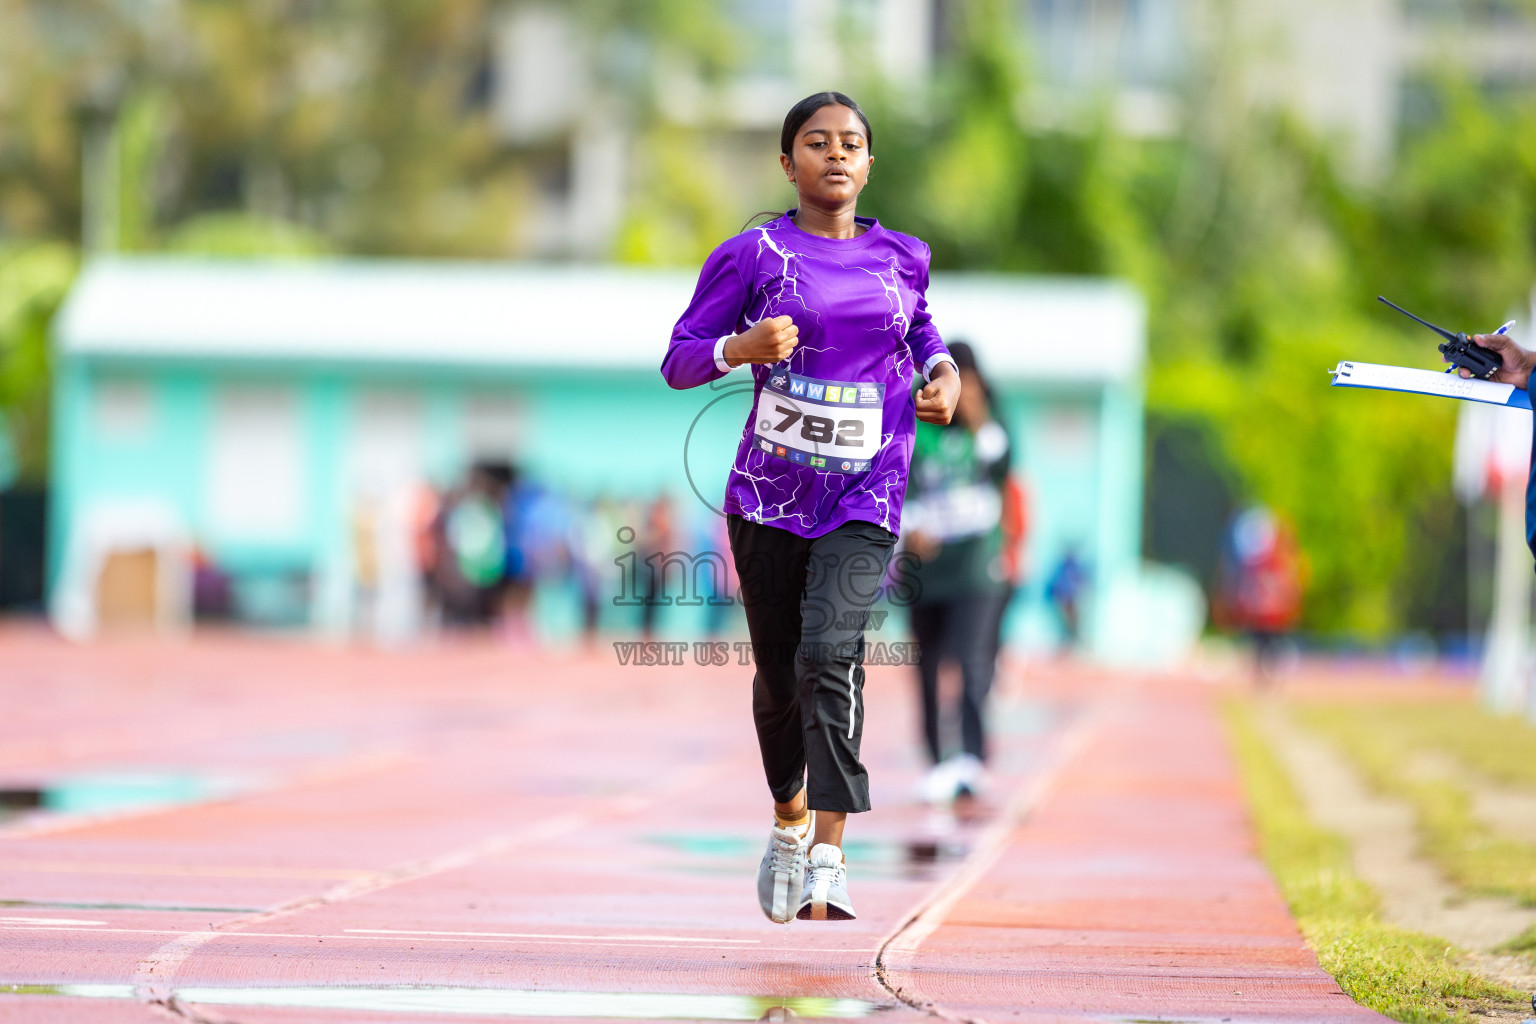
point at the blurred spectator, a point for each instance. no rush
(429, 550)
(212, 599)
(365, 557)
(595, 545)
(1064, 590)
(954, 527)
(471, 530)
(1261, 583)
(1015, 534)
(658, 538)
(722, 582)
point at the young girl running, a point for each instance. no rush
(829, 310)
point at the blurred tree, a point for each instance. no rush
(366, 123)
(34, 277)
(293, 128)
(1260, 267)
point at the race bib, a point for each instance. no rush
(823, 424)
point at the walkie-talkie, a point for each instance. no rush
(1459, 349)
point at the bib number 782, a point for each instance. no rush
(821, 429)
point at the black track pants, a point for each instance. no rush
(806, 602)
(965, 630)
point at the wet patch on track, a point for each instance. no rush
(157, 907)
(917, 858)
(488, 1002)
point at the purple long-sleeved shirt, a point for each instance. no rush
(830, 435)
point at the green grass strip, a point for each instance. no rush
(1498, 746)
(1400, 973)
(1522, 944)
(1380, 738)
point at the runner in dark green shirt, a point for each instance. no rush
(954, 528)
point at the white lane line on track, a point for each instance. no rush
(929, 914)
(545, 935)
(153, 979)
(582, 940)
(46, 920)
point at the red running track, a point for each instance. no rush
(471, 833)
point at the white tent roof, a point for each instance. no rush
(503, 315)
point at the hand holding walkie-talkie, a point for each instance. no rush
(1462, 351)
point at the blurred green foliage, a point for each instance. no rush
(292, 128)
(34, 276)
(1260, 264)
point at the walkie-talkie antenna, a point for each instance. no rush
(1461, 350)
(1447, 335)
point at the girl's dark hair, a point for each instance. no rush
(965, 359)
(801, 112)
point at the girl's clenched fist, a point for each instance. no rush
(770, 340)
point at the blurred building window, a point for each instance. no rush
(255, 480)
(1464, 11)
(385, 449)
(763, 28)
(124, 410)
(899, 34)
(540, 79)
(1107, 42)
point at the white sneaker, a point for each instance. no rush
(826, 887)
(781, 875)
(969, 773)
(938, 784)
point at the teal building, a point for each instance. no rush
(261, 416)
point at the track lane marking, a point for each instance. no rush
(582, 940)
(930, 913)
(187, 870)
(152, 979)
(542, 935)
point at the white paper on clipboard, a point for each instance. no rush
(1381, 377)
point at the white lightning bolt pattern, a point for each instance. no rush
(898, 318)
(756, 468)
(787, 280)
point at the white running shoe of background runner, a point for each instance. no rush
(969, 773)
(826, 886)
(938, 784)
(781, 875)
